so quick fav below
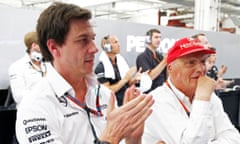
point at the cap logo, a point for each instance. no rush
(191, 44)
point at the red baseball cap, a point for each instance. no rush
(186, 46)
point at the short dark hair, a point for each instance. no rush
(151, 31)
(53, 23)
(197, 35)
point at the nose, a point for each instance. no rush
(93, 48)
(201, 67)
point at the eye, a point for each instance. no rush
(85, 40)
(192, 62)
(203, 62)
(82, 41)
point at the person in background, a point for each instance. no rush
(202, 38)
(113, 70)
(153, 61)
(68, 106)
(212, 70)
(26, 72)
(186, 109)
(214, 73)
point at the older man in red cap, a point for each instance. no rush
(186, 110)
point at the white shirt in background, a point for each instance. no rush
(23, 76)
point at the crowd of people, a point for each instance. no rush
(165, 99)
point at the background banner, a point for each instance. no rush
(16, 22)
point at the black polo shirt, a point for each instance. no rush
(100, 72)
(148, 62)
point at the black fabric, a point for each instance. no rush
(3, 96)
(90, 123)
(148, 62)
(7, 125)
(96, 140)
(9, 100)
(100, 72)
(231, 105)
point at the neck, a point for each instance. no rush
(37, 63)
(81, 90)
(112, 57)
(152, 49)
(187, 92)
(76, 80)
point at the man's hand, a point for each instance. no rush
(205, 88)
(128, 120)
(137, 77)
(136, 135)
(130, 73)
(222, 71)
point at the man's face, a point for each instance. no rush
(76, 55)
(155, 40)
(203, 40)
(35, 53)
(114, 44)
(185, 71)
(210, 62)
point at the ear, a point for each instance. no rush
(53, 47)
(169, 68)
(33, 44)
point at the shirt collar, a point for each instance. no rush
(60, 86)
(26, 58)
(149, 51)
(178, 93)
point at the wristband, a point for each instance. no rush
(101, 142)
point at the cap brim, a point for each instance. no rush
(198, 50)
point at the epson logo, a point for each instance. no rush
(35, 128)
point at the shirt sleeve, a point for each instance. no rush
(17, 83)
(143, 62)
(100, 72)
(38, 125)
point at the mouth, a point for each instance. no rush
(195, 77)
(90, 59)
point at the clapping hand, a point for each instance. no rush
(127, 121)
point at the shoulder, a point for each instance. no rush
(142, 54)
(99, 67)
(18, 66)
(41, 97)
(161, 94)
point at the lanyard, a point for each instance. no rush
(154, 55)
(35, 67)
(89, 110)
(97, 112)
(180, 101)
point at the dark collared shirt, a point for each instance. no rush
(147, 61)
(100, 72)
